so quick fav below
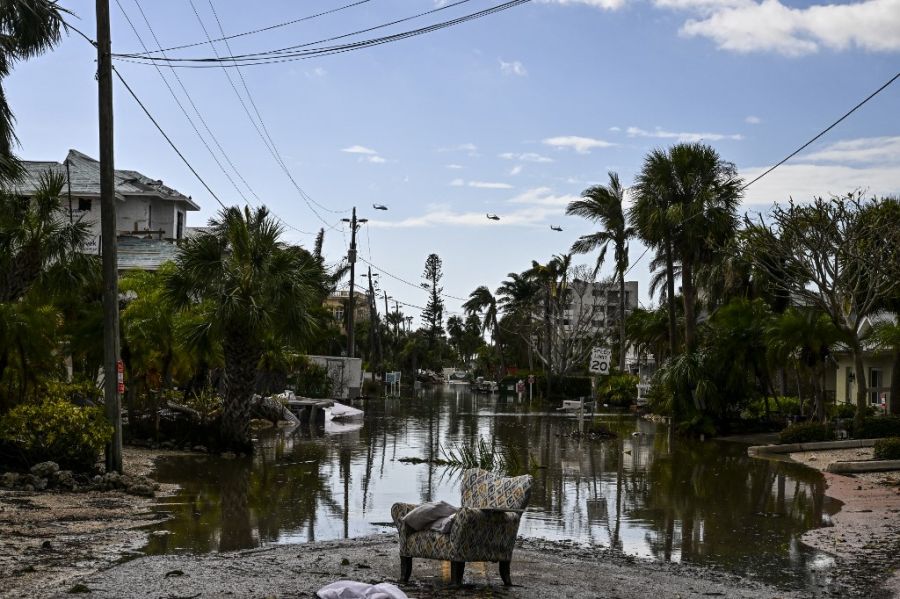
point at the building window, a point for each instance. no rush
(84, 204)
(338, 314)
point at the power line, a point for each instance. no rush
(264, 132)
(262, 29)
(167, 138)
(280, 56)
(823, 132)
(184, 110)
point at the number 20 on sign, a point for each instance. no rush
(600, 358)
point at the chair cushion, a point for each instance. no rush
(481, 488)
(430, 544)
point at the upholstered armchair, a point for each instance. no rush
(484, 529)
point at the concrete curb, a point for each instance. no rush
(864, 466)
(757, 450)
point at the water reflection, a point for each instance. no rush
(643, 493)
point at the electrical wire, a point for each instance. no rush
(261, 29)
(269, 58)
(184, 110)
(167, 138)
(261, 129)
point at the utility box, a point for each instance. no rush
(345, 375)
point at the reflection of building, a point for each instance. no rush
(150, 217)
(337, 303)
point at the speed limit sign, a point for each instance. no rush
(600, 358)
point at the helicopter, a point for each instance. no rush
(379, 207)
(556, 227)
(493, 217)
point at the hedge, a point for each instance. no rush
(876, 428)
(807, 432)
(887, 449)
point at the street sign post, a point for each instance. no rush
(600, 358)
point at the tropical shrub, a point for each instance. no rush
(618, 389)
(207, 403)
(876, 428)
(54, 430)
(887, 449)
(807, 432)
(784, 406)
(310, 380)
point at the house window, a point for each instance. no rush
(338, 314)
(84, 204)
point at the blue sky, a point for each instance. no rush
(513, 114)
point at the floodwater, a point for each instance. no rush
(643, 493)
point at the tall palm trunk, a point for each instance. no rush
(688, 294)
(622, 319)
(548, 334)
(670, 300)
(242, 355)
(498, 342)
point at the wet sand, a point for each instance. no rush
(540, 570)
(866, 531)
(49, 540)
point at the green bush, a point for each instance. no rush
(55, 430)
(786, 405)
(309, 379)
(618, 390)
(876, 428)
(807, 432)
(887, 449)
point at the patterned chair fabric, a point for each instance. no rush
(476, 535)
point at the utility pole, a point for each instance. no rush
(111, 385)
(351, 258)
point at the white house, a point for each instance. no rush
(879, 366)
(150, 217)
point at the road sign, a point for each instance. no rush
(600, 358)
(530, 379)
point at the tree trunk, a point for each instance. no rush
(894, 407)
(548, 333)
(622, 320)
(499, 344)
(688, 295)
(860, 370)
(242, 355)
(670, 300)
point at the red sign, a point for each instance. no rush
(120, 366)
(121, 388)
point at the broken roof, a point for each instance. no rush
(84, 173)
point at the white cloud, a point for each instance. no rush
(357, 149)
(683, 136)
(515, 170)
(457, 183)
(582, 145)
(531, 208)
(513, 68)
(770, 26)
(489, 185)
(615, 129)
(525, 157)
(604, 4)
(803, 182)
(453, 166)
(466, 147)
(375, 159)
(753, 120)
(868, 150)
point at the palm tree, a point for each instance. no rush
(27, 28)
(252, 288)
(483, 301)
(686, 204)
(603, 204)
(552, 281)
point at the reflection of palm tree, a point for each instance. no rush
(237, 528)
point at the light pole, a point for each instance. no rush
(351, 258)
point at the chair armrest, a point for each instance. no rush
(399, 511)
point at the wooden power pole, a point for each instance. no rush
(111, 382)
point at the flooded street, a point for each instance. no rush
(643, 493)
